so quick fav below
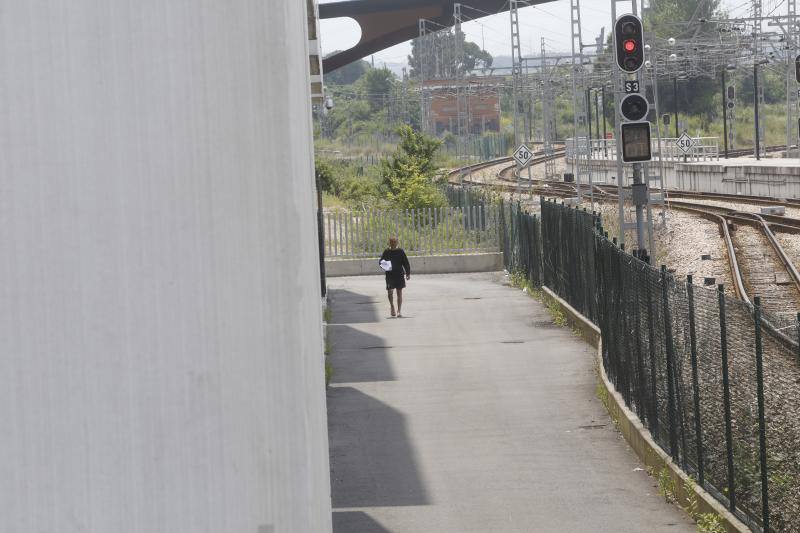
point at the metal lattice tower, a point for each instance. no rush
(731, 116)
(581, 144)
(516, 64)
(423, 100)
(548, 131)
(404, 98)
(654, 170)
(462, 116)
(757, 31)
(790, 33)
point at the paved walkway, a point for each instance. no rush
(473, 413)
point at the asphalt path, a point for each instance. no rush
(473, 413)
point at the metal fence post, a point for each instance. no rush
(651, 334)
(640, 390)
(503, 237)
(762, 423)
(624, 374)
(537, 254)
(698, 426)
(670, 350)
(726, 396)
(798, 338)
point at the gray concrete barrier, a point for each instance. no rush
(423, 264)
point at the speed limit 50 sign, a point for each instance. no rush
(685, 143)
(523, 156)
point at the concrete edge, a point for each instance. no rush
(420, 264)
(639, 437)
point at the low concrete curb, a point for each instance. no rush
(421, 264)
(639, 437)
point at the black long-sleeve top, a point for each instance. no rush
(399, 261)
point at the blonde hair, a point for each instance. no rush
(393, 242)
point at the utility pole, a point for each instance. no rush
(423, 116)
(516, 63)
(755, 109)
(724, 112)
(461, 105)
(790, 34)
(548, 133)
(581, 149)
(605, 127)
(653, 179)
(758, 91)
(404, 98)
(597, 116)
(675, 101)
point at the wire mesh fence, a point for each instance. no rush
(445, 230)
(715, 383)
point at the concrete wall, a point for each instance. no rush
(161, 361)
(425, 264)
(769, 179)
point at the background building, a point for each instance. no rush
(481, 96)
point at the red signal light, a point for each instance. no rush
(629, 45)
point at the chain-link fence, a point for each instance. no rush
(717, 385)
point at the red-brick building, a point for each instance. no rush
(481, 98)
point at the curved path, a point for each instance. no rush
(473, 413)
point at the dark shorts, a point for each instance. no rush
(393, 281)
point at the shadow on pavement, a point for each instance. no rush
(372, 458)
(355, 522)
(354, 308)
(358, 357)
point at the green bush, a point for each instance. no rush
(411, 189)
(358, 191)
(325, 176)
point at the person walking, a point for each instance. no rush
(395, 263)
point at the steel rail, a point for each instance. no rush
(717, 214)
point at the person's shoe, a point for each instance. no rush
(393, 313)
(399, 315)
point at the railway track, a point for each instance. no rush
(743, 152)
(759, 265)
(456, 176)
(749, 238)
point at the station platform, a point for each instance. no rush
(769, 176)
(769, 162)
(473, 413)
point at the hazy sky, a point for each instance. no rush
(550, 20)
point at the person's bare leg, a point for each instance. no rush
(391, 299)
(399, 301)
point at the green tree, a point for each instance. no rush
(347, 74)
(440, 59)
(377, 84)
(325, 176)
(686, 21)
(408, 174)
(419, 147)
(411, 189)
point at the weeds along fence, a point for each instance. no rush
(445, 230)
(467, 196)
(711, 379)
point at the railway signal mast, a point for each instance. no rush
(632, 126)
